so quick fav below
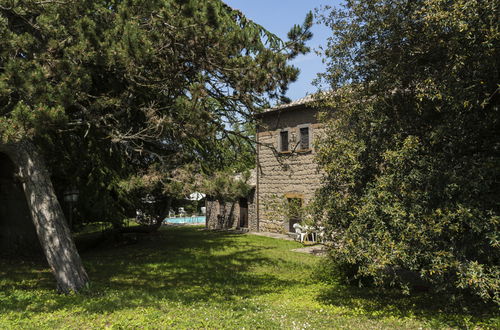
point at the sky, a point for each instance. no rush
(278, 16)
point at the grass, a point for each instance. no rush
(186, 277)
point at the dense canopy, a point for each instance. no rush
(412, 149)
(109, 89)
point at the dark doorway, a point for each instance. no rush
(243, 213)
(294, 212)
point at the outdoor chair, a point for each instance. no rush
(310, 231)
(301, 233)
(321, 234)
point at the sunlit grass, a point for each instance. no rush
(186, 277)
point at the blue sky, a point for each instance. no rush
(278, 16)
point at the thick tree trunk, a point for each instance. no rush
(52, 229)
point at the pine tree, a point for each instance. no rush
(156, 81)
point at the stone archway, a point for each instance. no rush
(17, 232)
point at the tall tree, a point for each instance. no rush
(153, 80)
(412, 150)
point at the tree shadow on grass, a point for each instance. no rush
(24, 274)
(431, 308)
(181, 265)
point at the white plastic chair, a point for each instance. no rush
(310, 231)
(321, 234)
(301, 233)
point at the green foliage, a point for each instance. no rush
(226, 187)
(228, 180)
(190, 278)
(236, 152)
(97, 173)
(137, 87)
(283, 208)
(411, 150)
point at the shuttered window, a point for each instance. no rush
(304, 138)
(284, 141)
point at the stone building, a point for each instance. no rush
(287, 171)
(236, 213)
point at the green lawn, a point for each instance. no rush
(186, 277)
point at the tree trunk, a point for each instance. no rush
(52, 229)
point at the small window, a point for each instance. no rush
(284, 141)
(304, 138)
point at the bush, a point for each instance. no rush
(411, 153)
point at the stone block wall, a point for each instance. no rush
(226, 214)
(222, 215)
(253, 224)
(285, 174)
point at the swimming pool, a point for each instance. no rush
(200, 219)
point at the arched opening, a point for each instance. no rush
(17, 231)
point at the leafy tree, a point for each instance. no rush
(412, 146)
(131, 84)
(237, 150)
(224, 187)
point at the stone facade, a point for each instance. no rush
(286, 171)
(239, 214)
(289, 174)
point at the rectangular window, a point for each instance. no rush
(304, 138)
(284, 141)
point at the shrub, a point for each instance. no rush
(411, 152)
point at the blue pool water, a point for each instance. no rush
(200, 219)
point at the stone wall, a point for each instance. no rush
(222, 215)
(226, 214)
(253, 224)
(285, 175)
(17, 231)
